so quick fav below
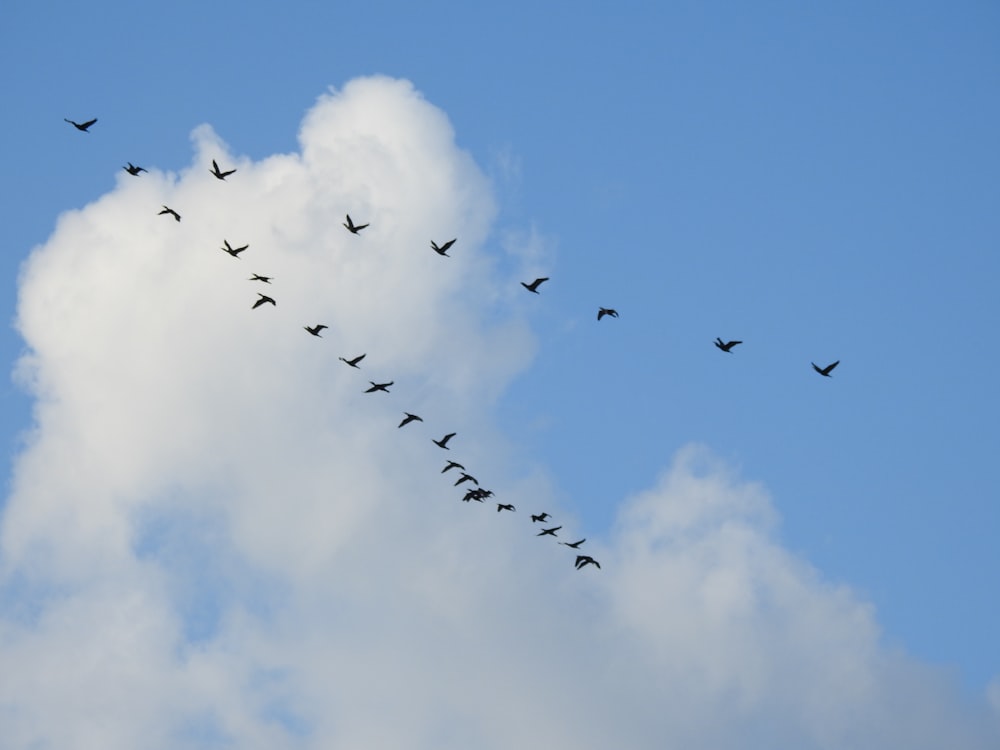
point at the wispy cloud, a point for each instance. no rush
(215, 537)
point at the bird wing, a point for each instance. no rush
(88, 123)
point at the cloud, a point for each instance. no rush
(214, 537)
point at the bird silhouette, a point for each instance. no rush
(574, 545)
(726, 346)
(258, 277)
(263, 299)
(353, 362)
(452, 465)
(475, 494)
(315, 329)
(601, 312)
(234, 251)
(379, 386)
(410, 418)
(219, 173)
(352, 227)
(168, 210)
(825, 371)
(549, 532)
(443, 442)
(533, 286)
(442, 250)
(502, 506)
(83, 126)
(543, 517)
(466, 478)
(584, 560)
(133, 170)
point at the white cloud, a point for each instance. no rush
(216, 538)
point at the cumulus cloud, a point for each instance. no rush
(215, 538)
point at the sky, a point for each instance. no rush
(211, 536)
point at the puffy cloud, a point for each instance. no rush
(215, 537)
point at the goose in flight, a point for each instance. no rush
(543, 517)
(353, 362)
(234, 251)
(258, 277)
(171, 212)
(133, 170)
(379, 386)
(315, 329)
(584, 560)
(502, 506)
(466, 478)
(549, 532)
(82, 126)
(452, 465)
(443, 442)
(263, 299)
(727, 345)
(410, 418)
(574, 545)
(352, 227)
(219, 173)
(825, 371)
(601, 312)
(533, 286)
(475, 494)
(443, 249)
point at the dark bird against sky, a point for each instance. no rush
(726, 346)
(84, 126)
(503, 506)
(825, 371)
(352, 227)
(410, 418)
(171, 212)
(315, 329)
(353, 362)
(133, 170)
(258, 277)
(533, 286)
(584, 560)
(606, 311)
(543, 517)
(442, 250)
(219, 173)
(379, 386)
(574, 545)
(234, 251)
(466, 478)
(452, 465)
(263, 300)
(549, 532)
(443, 442)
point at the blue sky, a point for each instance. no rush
(819, 182)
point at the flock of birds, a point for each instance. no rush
(476, 493)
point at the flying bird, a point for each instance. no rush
(234, 251)
(219, 173)
(574, 545)
(543, 517)
(84, 126)
(353, 362)
(584, 560)
(352, 227)
(315, 329)
(379, 386)
(726, 346)
(263, 299)
(258, 277)
(133, 170)
(452, 465)
(825, 371)
(549, 532)
(502, 506)
(410, 418)
(443, 442)
(601, 312)
(476, 495)
(466, 478)
(533, 286)
(442, 250)
(168, 210)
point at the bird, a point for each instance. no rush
(353, 362)
(258, 277)
(352, 227)
(443, 442)
(442, 250)
(168, 210)
(825, 371)
(601, 312)
(133, 170)
(84, 126)
(379, 386)
(219, 173)
(549, 532)
(315, 329)
(410, 418)
(475, 494)
(533, 286)
(502, 506)
(263, 298)
(466, 478)
(452, 465)
(727, 346)
(543, 517)
(574, 545)
(234, 251)
(584, 560)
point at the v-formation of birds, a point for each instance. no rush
(478, 493)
